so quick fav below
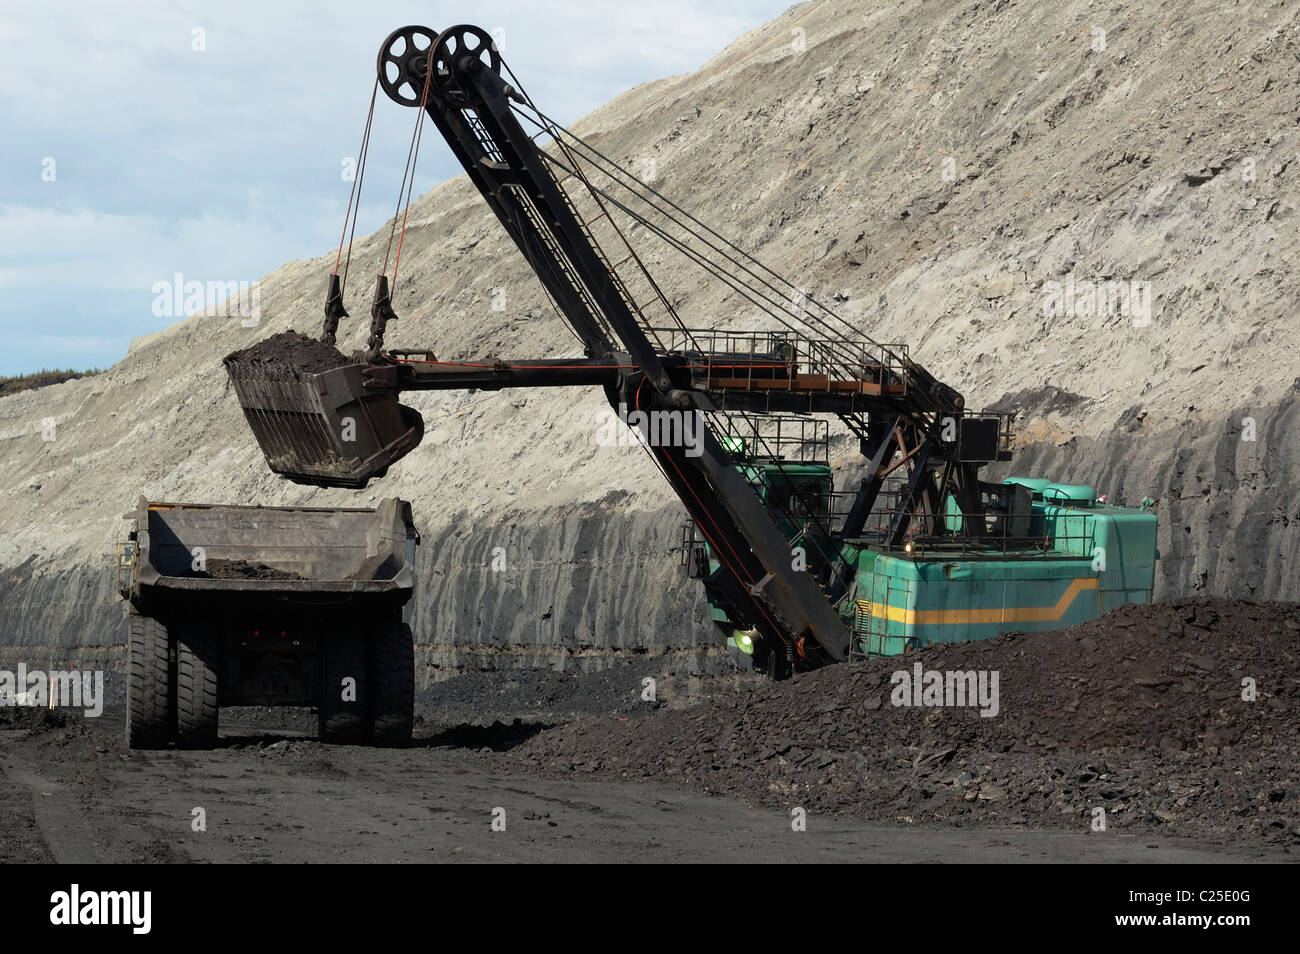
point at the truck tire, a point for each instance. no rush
(343, 721)
(148, 684)
(196, 689)
(393, 665)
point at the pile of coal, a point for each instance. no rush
(289, 350)
(1180, 716)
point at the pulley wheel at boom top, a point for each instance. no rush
(404, 63)
(459, 51)
(405, 56)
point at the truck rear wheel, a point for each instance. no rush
(393, 656)
(196, 690)
(342, 713)
(148, 684)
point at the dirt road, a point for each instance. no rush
(75, 793)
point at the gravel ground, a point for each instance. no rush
(1139, 713)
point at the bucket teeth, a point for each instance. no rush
(323, 428)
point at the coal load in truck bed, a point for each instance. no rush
(289, 350)
(381, 567)
(246, 570)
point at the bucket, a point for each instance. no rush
(323, 427)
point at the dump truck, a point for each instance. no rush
(917, 547)
(268, 606)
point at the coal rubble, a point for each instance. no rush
(1182, 716)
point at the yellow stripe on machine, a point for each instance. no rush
(1006, 614)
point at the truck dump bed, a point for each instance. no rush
(238, 549)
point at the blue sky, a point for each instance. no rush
(223, 163)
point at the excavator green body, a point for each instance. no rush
(1075, 559)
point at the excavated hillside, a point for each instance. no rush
(940, 171)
